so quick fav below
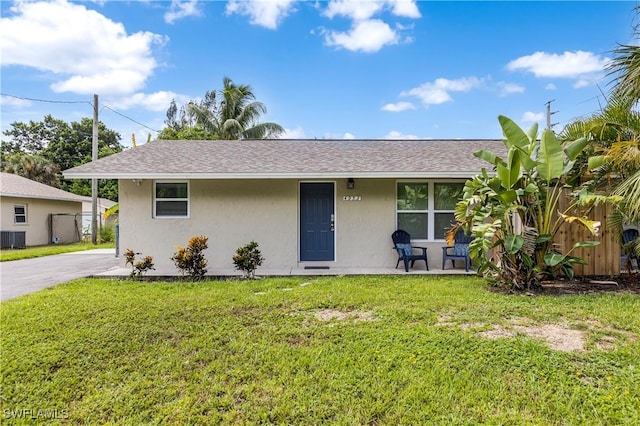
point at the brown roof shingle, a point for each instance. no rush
(274, 158)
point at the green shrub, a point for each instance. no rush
(107, 234)
(191, 259)
(247, 259)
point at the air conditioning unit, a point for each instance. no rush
(13, 239)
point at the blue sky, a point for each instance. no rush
(324, 69)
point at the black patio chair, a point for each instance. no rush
(628, 236)
(459, 250)
(406, 252)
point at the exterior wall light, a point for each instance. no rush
(351, 184)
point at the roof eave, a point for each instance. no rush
(40, 197)
(306, 175)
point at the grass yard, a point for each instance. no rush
(48, 250)
(345, 350)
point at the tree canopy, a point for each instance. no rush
(40, 150)
(230, 113)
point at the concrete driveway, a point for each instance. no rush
(29, 275)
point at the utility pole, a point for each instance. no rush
(94, 181)
(549, 114)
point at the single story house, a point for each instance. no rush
(308, 203)
(37, 214)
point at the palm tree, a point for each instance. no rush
(235, 116)
(34, 167)
(614, 157)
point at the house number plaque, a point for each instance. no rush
(352, 198)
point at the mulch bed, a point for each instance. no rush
(629, 283)
(624, 283)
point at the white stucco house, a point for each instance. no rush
(40, 213)
(308, 203)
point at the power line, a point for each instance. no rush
(130, 119)
(78, 102)
(45, 100)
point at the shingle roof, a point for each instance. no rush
(278, 158)
(17, 186)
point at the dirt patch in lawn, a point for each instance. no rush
(557, 336)
(333, 314)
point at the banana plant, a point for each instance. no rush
(513, 214)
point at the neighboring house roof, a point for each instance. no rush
(17, 186)
(278, 158)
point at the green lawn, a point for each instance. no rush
(346, 350)
(48, 250)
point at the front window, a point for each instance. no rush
(171, 199)
(426, 209)
(20, 213)
(413, 208)
(445, 197)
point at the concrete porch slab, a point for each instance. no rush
(285, 272)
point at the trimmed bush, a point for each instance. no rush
(190, 259)
(138, 267)
(247, 259)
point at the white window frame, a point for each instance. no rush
(433, 205)
(430, 211)
(25, 214)
(187, 199)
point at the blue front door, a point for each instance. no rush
(316, 221)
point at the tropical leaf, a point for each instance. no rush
(575, 148)
(550, 161)
(513, 132)
(488, 156)
(586, 244)
(553, 259)
(593, 226)
(513, 243)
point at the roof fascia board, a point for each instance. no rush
(41, 197)
(229, 176)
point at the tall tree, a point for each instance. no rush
(230, 113)
(65, 145)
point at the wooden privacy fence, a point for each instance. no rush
(603, 259)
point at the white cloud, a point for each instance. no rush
(84, 51)
(297, 133)
(158, 101)
(394, 134)
(550, 86)
(182, 9)
(14, 102)
(363, 10)
(439, 91)
(405, 8)
(366, 36)
(566, 65)
(509, 88)
(532, 117)
(398, 107)
(268, 14)
(585, 81)
(346, 135)
(357, 10)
